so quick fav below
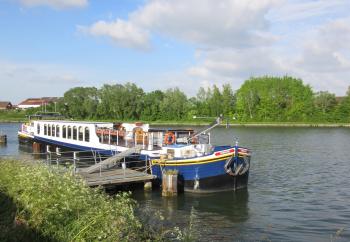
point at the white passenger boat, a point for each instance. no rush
(202, 166)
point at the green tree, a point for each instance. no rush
(274, 99)
(343, 109)
(215, 102)
(228, 100)
(325, 104)
(80, 102)
(174, 105)
(152, 106)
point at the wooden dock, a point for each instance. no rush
(115, 177)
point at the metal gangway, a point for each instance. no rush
(105, 164)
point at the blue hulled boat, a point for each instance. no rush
(203, 167)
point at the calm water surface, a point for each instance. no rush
(299, 188)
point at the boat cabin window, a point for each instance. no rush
(45, 129)
(38, 128)
(53, 130)
(49, 130)
(69, 132)
(64, 132)
(75, 132)
(87, 134)
(57, 130)
(81, 133)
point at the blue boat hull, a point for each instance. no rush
(205, 177)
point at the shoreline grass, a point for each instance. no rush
(20, 117)
(59, 207)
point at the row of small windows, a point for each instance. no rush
(68, 132)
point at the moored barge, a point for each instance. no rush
(202, 167)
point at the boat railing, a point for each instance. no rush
(148, 140)
(77, 161)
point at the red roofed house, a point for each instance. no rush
(36, 102)
(5, 105)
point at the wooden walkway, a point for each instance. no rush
(115, 177)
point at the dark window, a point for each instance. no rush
(45, 129)
(38, 128)
(69, 132)
(49, 130)
(57, 131)
(64, 132)
(75, 132)
(81, 133)
(87, 134)
(53, 130)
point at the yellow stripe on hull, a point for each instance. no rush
(22, 135)
(192, 161)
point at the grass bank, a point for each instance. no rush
(20, 116)
(7, 116)
(42, 204)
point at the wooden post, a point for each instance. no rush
(48, 155)
(75, 159)
(3, 139)
(148, 186)
(58, 155)
(36, 147)
(124, 166)
(169, 184)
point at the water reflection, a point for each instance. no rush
(208, 213)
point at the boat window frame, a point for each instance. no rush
(45, 129)
(53, 130)
(69, 133)
(75, 133)
(64, 131)
(87, 134)
(38, 128)
(49, 129)
(57, 130)
(81, 134)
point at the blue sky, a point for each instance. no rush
(49, 46)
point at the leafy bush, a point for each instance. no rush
(63, 208)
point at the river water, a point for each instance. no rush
(299, 188)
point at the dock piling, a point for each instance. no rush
(58, 155)
(3, 139)
(169, 184)
(36, 147)
(75, 159)
(48, 155)
(148, 186)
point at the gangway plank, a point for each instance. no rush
(111, 160)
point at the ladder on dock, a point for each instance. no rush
(111, 160)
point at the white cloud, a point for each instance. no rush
(297, 10)
(58, 4)
(326, 49)
(231, 23)
(228, 23)
(123, 33)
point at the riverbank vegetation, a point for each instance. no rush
(259, 100)
(262, 99)
(43, 204)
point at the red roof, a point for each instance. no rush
(39, 101)
(5, 105)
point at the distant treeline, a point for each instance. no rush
(261, 99)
